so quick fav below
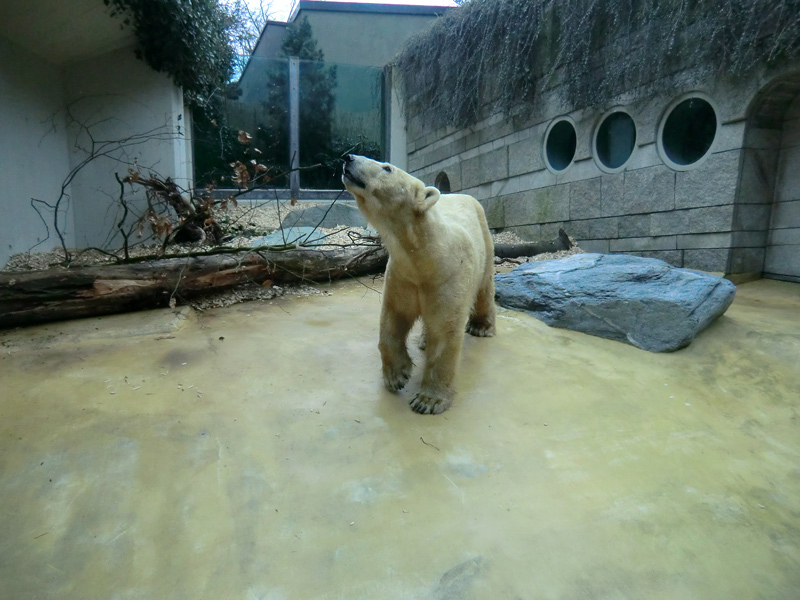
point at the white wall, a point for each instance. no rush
(33, 149)
(49, 117)
(113, 98)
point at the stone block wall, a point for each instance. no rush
(783, 248)
(689, 218)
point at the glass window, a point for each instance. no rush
(560, 144)
(615, 140)
(688, 132)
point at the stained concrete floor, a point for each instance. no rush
(251, 452)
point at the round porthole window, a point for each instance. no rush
(614, 140)
(560, 142)
(687, 131)
(442, 183)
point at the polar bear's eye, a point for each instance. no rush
(387, 168)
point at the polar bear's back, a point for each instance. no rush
(468, 212)
(469, 235)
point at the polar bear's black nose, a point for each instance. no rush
(349, 158)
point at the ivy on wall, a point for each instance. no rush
(187, 39)
(487, 55)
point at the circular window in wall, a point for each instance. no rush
(687, 131)
(560, 142)
(614, 140)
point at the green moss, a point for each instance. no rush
(187, 40)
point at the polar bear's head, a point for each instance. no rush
(383, 191)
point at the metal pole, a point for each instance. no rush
(386, 107)
(294, 124)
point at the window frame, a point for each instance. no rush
(596, 155)
(663, 121)
(550, 127)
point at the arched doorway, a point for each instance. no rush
(768, 203)
(442, 183)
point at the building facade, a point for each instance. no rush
(700, 170)
(353, 32)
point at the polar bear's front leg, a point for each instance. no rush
(442, 354)
(398, 314)
(394, 354)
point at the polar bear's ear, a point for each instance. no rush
(426, 198)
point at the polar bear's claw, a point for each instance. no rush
(396, 379)
(480, 328)
(427, 404)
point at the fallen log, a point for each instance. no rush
(533, 248)
(28, 298)
(55, 294)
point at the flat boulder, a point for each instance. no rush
(289, 235)
(641, 301)
(326, 216)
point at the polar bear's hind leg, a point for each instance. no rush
(482, 317)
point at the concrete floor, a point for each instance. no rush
(144, 456)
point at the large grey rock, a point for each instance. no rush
(290, 235)
(326, 216)
(641, 301)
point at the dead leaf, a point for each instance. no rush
(294, 200)
(244, 137)
(132, 177)
(266, 283)
(241, 174)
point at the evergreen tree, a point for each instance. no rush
(317, 98)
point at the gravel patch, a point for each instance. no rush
(502, 265)
(251, 292)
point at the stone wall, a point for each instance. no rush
(783, 247)
(689, 218)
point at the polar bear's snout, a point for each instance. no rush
(350, 171)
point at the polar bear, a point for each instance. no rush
(441, 259)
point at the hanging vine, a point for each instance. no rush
(501, 54)
(190, 41)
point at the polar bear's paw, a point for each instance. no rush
(426, 403)
(396, 377)
(480, 328)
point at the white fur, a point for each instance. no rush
(440, 268)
